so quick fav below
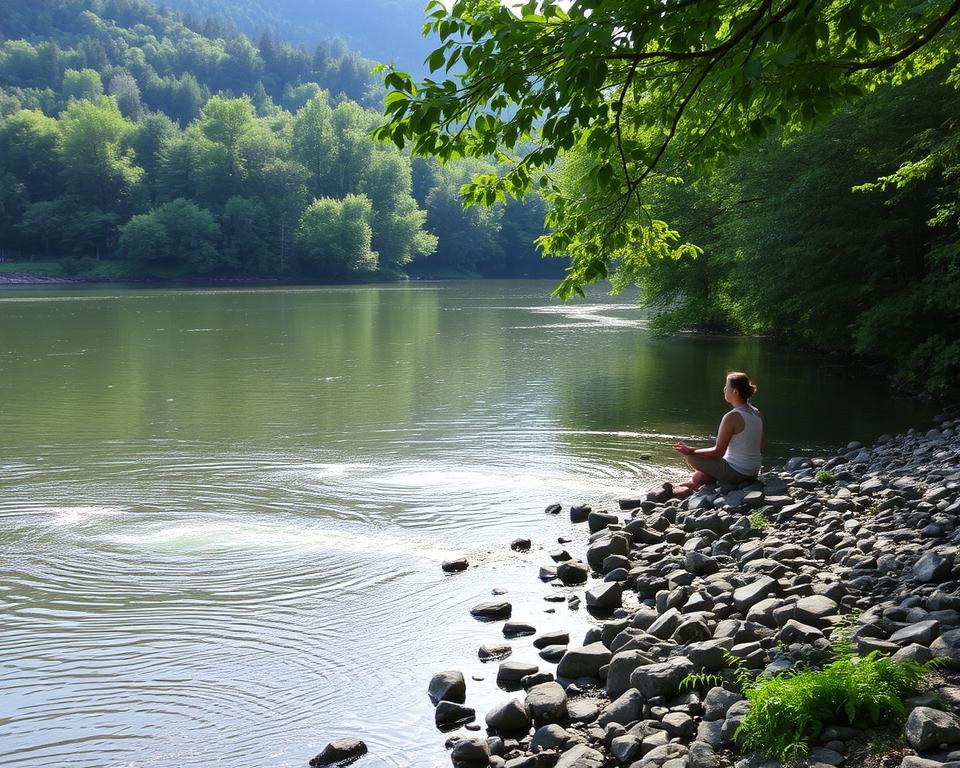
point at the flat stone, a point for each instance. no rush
(582, 711)
(556, 637)
(815, 609)
(447, 686)
(750, 594)
(583, 661)
(518, 629)
(552, 653)
(796, 632)
(927, 728)
(922, 633)
(449, 714)
(492, 611)
(515, 671)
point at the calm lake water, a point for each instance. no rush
(223, 513)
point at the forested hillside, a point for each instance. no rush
(386, 30)
(843, 238)
(134, 144)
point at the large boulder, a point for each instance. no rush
(492, 610)
(447, 686)
(449, 714)
(547, 703)
(927, 728)
(745, 597)
(511, 716)
(583, 661)
(661, 679)
(471, 753)
(621, 667)
(948, 645)
(627, 708)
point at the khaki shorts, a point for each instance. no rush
(718, 469)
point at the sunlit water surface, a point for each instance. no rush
(223, 513)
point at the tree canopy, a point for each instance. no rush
(634, 95)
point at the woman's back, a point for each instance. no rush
(743, 452)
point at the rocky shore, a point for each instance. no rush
(762, 578)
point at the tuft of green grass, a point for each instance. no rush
(884, 741)
(872, 510)
(758, 521)
(824, 477)
(789, 710)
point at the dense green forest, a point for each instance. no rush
(386, 30)
(132, 144)
(842, 238)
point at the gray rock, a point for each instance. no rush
(922, 633)
(447, 686)
(795, 632)
(490, 651)
(597, 521)
(579, 514)
(621, 667)
(948, 645)
(509, 716)
(626, 748)
(518, 629)
(661, 679)
(556, 637)
(449, 714)
(712, 733)
(492, 611)
(665, 625)
(749, 595)
(699, 564)
(552, 653)
(339, 752)
(547, 703)
(550, 736)
(717, 703)
(608, 595)
(709, 654)
(582, 711)
(931, 567)
(572, 572)
(468, 753)
(927, 728)
(520, 545)
(701, 755)
(815, 609)
(583, 661)
(627, 708)
(514, 671)
(455, 565)
(580, 756)
(679, 725)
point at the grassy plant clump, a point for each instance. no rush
(789, 710)
(824, 477)
(758, 521)
(872, 510)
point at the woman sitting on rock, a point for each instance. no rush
(735, 457)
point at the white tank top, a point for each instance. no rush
(743, 453)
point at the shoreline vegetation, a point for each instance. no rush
(823, 599)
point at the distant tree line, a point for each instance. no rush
(112, 147)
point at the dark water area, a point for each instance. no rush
(223, 512)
